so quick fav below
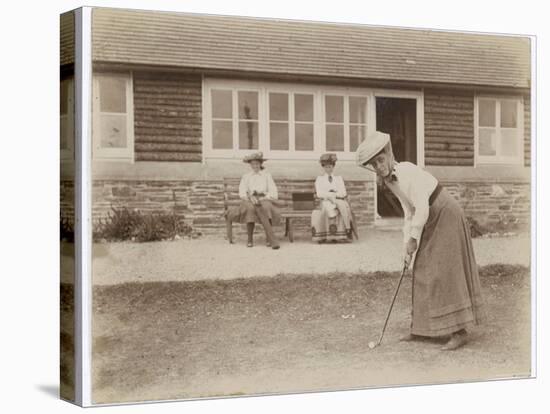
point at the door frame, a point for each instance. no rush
(419, 97)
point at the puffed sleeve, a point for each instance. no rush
(272, 192)
(243, 188)
(406, 220)
(341, 188)
(421, 188)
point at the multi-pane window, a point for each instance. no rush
(345, 122)
(113, 116)
(303, 122)
(248, 120)
(357, 121)
(222, 119)
(334, 123)
(291, 121)
(279, 121)
(235, 119)
(499, 130)
(66, 118)
(282, 120)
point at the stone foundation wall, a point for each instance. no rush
(203, 202)
(491, 203)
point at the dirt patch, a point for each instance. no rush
(166, 340)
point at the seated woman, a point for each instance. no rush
(333, 221)
(258, 193)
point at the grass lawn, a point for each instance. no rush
(166, 340)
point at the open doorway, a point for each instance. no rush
(397, 117)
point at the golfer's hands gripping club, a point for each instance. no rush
(410, 248)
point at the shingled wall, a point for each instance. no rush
(167, 116)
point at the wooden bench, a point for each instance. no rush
(288, 216)
(302, 206)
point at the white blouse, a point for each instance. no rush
(261, 182)
(323, 186)
(413, 188)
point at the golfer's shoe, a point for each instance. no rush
(457, 340)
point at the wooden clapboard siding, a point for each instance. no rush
(448, 128)
(527, 129)
(167, 116)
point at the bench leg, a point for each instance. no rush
(290, 231)
(354, 226)
(229, 229)
(286, 226)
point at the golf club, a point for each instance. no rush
(372, 344)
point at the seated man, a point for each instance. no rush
(333, 221)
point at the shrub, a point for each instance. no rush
(505, 224)
(126, 224)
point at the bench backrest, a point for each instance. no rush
(303, 201)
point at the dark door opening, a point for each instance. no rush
(397, 117)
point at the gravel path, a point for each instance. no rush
(214, 258)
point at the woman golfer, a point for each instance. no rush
(446, 293)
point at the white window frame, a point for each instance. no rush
(113, 154)
(291, 152)
(319, 92)
(499, 159)
(346, 94)
(67, 154)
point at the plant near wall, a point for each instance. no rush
(131, 224)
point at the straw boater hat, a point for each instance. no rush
(328, 158)
(375, 142)
(255, 156)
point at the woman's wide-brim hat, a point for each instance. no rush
(255, 156)
(375, 142)
(328, 158)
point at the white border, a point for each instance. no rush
(534, 220)
(83, 207)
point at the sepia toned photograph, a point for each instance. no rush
(286, 206)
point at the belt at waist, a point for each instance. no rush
(435, 193)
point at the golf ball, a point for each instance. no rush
(371, 345)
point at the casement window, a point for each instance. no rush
(113, 120)
(499, 130)
(345, 122)
(283, 120)
(234, 119)
(291, 121)
(66, 119)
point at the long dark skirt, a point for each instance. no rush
(246, 213)
(446, 293)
